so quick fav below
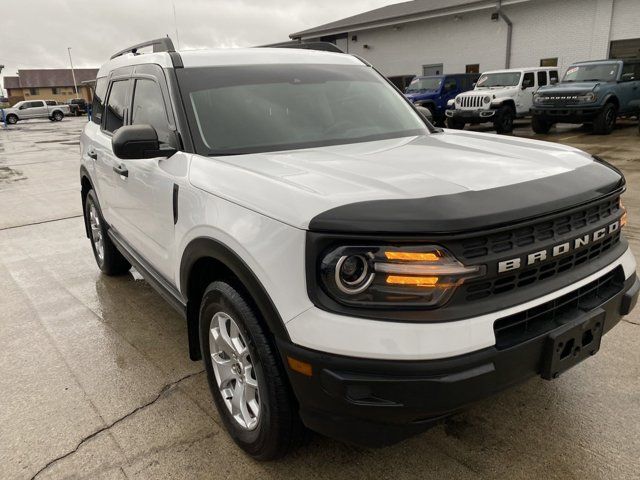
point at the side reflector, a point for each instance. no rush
(300, 366)
(412, 256)
(415, 281)
(623, 219)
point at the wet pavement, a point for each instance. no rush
(96, 380)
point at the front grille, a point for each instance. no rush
(568, 99)
(471, 101)
(522, 326)
(546, 270)
(547, 230)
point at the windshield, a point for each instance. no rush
(260, 108)
(595, 72)
(424, 84)
(507, 79)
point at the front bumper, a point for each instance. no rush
(472, 116)
(374, 402)
(578, 114)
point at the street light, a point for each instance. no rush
(73, 73)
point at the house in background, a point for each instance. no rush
(49, 84)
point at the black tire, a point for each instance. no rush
(12, 119)
(111, 262)
(605, 121)
(57, 116)
(455, 123)
(504, 119)
(540, 125)
(279, 428)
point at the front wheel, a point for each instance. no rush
(605, 122)
(247, 381)
(540, 125)
(12, 119)
(455, 123)
(504, 119)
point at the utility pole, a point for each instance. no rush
(175, 24)
(73, 73)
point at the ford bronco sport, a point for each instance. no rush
(591, 92)
(499, 97)
(341, 264)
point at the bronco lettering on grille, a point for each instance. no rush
(557, 250)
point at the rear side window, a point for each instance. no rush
(542, 79)
(148, 108)
(116, 105)
(51, 102)
(450, 84)
(529, 80)
(98, 100)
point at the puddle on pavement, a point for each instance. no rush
(9, 175)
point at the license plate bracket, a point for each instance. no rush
(570, 344)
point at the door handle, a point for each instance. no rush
(93, 155)
(121, 170)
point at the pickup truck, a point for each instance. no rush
(77, 106)
(596, 92)
(28, 109)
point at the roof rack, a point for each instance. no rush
(159, 45)
(321, 46)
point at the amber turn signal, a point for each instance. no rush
(415, 281)
(299, 366)
(412, 256)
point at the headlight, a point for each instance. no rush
(588, 98)
(386, 276)
(458, 100)
(537, 98)
(623, 218)
(487, 99)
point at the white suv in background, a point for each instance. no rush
(499, 97)
(341, 264)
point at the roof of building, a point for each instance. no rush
(11, 82)
(398, 13)
(49, 77)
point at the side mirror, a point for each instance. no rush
(22, 107)
(553, 81)
(137, 141)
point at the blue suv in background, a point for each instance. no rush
(435, 91)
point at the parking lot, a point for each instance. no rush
(97, 383)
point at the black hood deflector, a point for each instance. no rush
(473, 210)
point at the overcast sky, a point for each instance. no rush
(36, 33)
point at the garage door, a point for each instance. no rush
(625, 48)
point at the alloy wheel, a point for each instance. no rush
(96, 231)
(234, 371)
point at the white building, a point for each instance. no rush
(452, 36)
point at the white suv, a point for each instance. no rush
(499, 97)
(341, 264)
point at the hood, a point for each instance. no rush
(298, 185)
(421, 96)
(497, 91)
(569, 87)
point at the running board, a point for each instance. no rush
(153, 278)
